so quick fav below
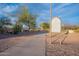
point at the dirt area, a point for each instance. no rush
(70, 46)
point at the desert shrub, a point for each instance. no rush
(77, 30)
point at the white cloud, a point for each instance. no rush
(9, 8)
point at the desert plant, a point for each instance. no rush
(77, 30)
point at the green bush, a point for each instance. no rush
(1, 30)
(17, 29)
(44, 26)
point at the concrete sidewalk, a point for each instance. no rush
(31, 46)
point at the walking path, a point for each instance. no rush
(31, 46)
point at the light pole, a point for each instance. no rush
(50, 31)
(51, 22)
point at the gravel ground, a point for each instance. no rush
(70, 46)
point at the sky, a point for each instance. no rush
(68, 13)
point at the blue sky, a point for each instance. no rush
(69, 13)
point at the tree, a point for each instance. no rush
(44, 26)
(32, 22)
(4, 21)
(26, 18)
(23, 17)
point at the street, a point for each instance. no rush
(30, 46)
